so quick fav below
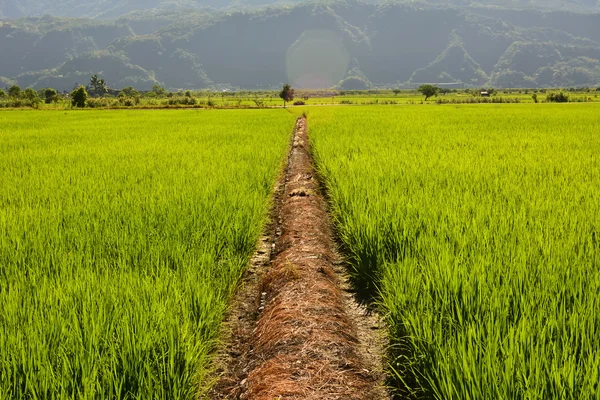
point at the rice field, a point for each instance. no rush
(122, 237)
(476, 230)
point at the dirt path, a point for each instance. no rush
(295, 331)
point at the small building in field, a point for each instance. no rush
(485, 94)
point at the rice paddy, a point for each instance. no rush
(122, 238)
(473, 229)
(476, 229)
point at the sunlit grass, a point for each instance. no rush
(122, 237)
(477, 228)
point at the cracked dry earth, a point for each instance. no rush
(295, 330)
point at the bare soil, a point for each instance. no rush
(295, 330)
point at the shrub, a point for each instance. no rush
(480, 100)
(158, 90)
(79, 97)
(184, 101)
(557, 98)
(130, 91)
(129, 101)
(102, 102)
(14, 91)
(50, 95)
(18, 103)
(30, 94)
(299, 103)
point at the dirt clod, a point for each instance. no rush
(302, 192)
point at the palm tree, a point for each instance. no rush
(98, 86)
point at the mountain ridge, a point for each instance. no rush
(390, 44)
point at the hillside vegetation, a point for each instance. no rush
(387, 44)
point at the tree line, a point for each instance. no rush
(97, 93)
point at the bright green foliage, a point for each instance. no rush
(286, 94)
(480, 228)
(130, 91)
(121, 244)
(31, 95)
(159, 90)
(50, 95)
(14, 91)
(428, 91)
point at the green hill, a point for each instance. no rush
(388, 44)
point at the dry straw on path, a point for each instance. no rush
(309, 341)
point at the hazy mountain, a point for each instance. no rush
(104, 9)
(114, 8)
(314, 44)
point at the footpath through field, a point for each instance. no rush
(297, 332)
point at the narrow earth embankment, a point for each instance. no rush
(296, 332)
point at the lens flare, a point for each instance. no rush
(318, 59)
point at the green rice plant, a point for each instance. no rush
(122, 237)
(477, 231)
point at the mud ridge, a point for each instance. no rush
(297, 332)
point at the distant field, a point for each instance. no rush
(270, 99)
(477, 228)
(122, 236)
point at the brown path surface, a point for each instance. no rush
(300, 335)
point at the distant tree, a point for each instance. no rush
(94, 81)
(50, 95)
(286, 94)
(14, 91)
(396, 92)
(535, 97)
(259, 101)
(79, 97)
(445, 91)
(428, 91)
(97, 86)
(557, 98)
(2, 94)
(130, 91)
(159, 90)
(30, 95)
